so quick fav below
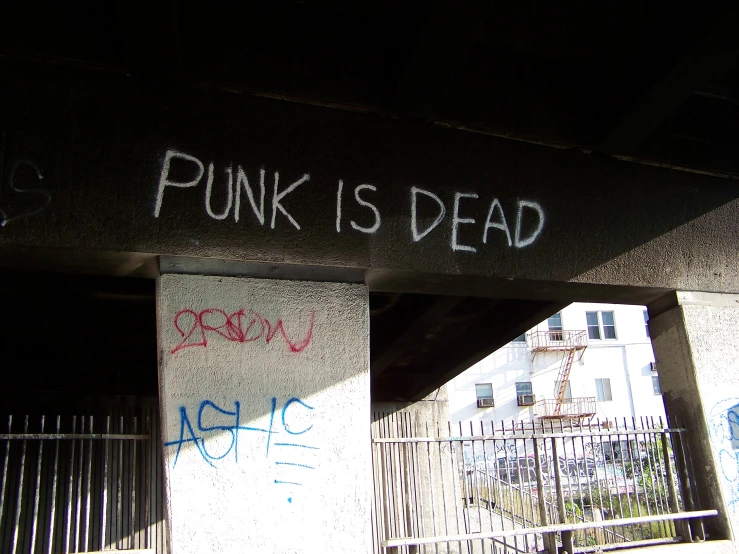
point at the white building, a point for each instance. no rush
(612, 374)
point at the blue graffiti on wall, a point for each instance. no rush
(292, 445)
(723, 426)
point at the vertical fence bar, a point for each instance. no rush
(86, 535)
(444, 492)
(510, 456)
(643, 470)
(134, 526)
(623, 469)
(411, 483)
(566, 535)
(396, 491)
(607, 478)
(550, 539)
(432, 496)
(78, 511)
(104, 504)
(36, 493)
(422, 520)
(53, 489)
(530, 518)
(376, 504)
(488, 480)
(696, 524)
(391, 481)
(119, 493)
(671, 484)
(501, 488)
(387, 500)
(70, 484)
(652, 478)
(6, 462)
(19, 496)
(664, 487)
(147, 482)
(634, 470)
(588, 478)
(456, 480)
(477, 490)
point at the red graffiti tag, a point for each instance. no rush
(241, 326)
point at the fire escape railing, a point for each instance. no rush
(570, 343)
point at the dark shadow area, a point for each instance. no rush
(102, 168)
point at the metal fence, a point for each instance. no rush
(80, 484)
(532, 487)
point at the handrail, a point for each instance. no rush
(583, 405)
(523, 436)
(412, 541)
(557, 340)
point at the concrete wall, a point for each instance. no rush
(248, 370)
(625, 361)
(697, 349)
(513, 212)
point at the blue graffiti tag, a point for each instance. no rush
(723, 427)
(199, 440)
(197, 435)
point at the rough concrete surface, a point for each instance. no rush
(265, 424)
(697, 355)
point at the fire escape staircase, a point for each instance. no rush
(562, 379)
(572, 345)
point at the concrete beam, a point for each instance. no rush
(130, 168)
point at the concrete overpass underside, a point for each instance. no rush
(441, 175)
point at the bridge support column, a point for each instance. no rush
(265, 403)
(696, 345)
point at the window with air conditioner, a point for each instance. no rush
(525, 394)
(484, 392)
(601, 325)
(603, 390)
(554, 324)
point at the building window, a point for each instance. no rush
(601, 325)
(603, 390)
(655, 385)
(646, 322)
(554, 324)
(524, 388)
(568, 391)
(520, 338)
(484, 391)
(593, 327)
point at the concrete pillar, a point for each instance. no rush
(264, 390)
(696, 345)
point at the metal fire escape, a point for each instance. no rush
(572, 345)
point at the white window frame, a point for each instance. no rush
(601, 389)
(601, 326)
(477, 393)
(556, 332)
